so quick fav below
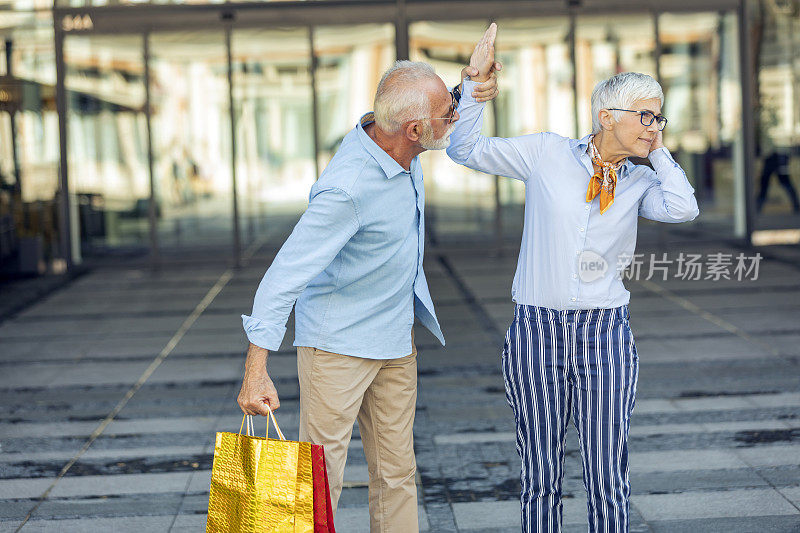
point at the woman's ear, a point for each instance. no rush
(606, 119)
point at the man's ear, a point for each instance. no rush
(606, 119)
(414, 130)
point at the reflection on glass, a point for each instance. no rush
(28, 183)
(701, 82)
(107, 153)
(605, 46)
(536, 91)
(274, 123)
(460, 200)
(191, 138)
(536, 81)
(350, 63)
(777, 184)
(28, 146)
(536, 94)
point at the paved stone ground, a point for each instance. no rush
(112, 389)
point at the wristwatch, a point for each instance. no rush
(456, 92)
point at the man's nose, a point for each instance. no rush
(456, 116)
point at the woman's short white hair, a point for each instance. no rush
(399, 98)
(622, 90)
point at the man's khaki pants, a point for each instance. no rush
(382, 394)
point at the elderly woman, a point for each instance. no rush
(570, 349)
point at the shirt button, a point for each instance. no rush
(573, 299)
(588, 207)
(574, 276)
(583, 229)
(578, 252)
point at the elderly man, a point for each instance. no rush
(353, 264)
(570, 349)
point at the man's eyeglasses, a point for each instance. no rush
(451, 113)
(646, 117)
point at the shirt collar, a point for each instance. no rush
(581, 147)
(389, 166)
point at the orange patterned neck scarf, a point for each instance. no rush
(604, 181)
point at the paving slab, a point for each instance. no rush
(126, 524)
(755, 524)
(714, 504)
(715, 432)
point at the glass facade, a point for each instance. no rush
(777, 99)
(350, 61)
(191, 136)
(606, 46)
(272, 98)
(459, 200)
(537, 95)
(700, 76)
(107, 146)
(296, 87)
(29, 146)
(537, 79)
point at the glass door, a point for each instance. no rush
(777, 168)
(191, 138)
(701, 82)
(350, 62)
(536, 93)
(460, 201)
(106, 132)
(274, 124)
(605, 46)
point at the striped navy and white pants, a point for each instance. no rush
(583, 363)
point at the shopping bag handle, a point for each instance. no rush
(250, 428)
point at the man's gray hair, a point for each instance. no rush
(622, 90)
(399, 98)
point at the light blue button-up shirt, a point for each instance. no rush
(353, 262)
(565, 240)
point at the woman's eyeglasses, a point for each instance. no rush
(647, 117)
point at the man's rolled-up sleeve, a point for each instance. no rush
(329, 222)
(670, 196)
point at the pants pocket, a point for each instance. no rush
(505, 362)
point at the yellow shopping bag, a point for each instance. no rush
(260, 484)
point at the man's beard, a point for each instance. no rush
(427, 141)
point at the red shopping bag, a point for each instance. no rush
(323, 510)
